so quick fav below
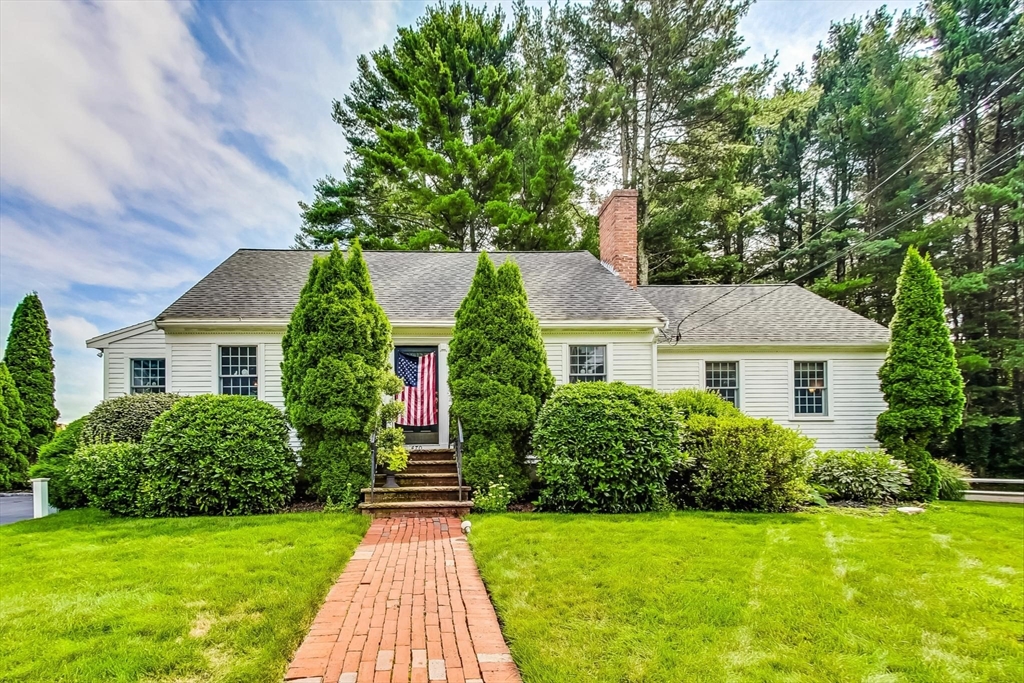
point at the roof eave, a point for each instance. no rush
(172, 324)
(104, 340)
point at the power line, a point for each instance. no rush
(991, 164)
(851, 203)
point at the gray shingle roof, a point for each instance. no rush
(255, 284)
(784, 315)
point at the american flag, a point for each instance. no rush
(420, 392)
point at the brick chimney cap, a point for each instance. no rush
(614, 194)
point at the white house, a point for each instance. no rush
(785, 353)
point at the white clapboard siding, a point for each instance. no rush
(678, 372)
(766, 386)
(556, 361)
(632, 363)
(193, 368)
(117, 360)
(271, 380)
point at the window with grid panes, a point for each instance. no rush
(587, 364)
(810, 388)
(149, 376)
(238, 371)
(723, 377)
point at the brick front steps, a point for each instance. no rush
(409, 607)
(428, 487)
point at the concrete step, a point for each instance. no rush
(416, 493)
(431, 454)
(418, 508)
(422, 479)
(426, 466)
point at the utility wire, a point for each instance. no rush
(948, 128)
(991, 164)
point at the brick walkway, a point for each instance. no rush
(410, 607)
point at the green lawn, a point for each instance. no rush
(828, 596)
(86, 597)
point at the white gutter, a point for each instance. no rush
(276, 323)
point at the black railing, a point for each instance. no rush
(373, 463)
(458, 455)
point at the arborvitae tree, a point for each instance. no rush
(498, 375)
(14, 437)
(335, 372)
(920, 378)
(29, 358)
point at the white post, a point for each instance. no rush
(40, 497)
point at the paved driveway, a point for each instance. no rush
(15, 507)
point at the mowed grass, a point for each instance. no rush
(87, 597)
(827, 596)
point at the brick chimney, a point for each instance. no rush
(617, 231)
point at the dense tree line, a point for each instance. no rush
(479, 130)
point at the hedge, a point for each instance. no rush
(125, 418)
(605, 448)
(54, 460)
(220, 455)
(109, 476)
(739, 463)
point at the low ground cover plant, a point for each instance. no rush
(951, 479)
(220, 455)
(495, 497)
(740, 463)
(861, 476)
(605, 447)
(125, 418)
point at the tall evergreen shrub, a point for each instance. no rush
(498, 375)
(920, 378)
(29, 357)
(335, 372)
(14, 438)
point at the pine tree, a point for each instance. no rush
(14, 437)
(498, 375)
(335, 372)
(435, 123)
(920, 379)
(29, 358)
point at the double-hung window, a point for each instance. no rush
(238, 370)
(149, 376)
(723, 377)
(587, 364)
(810, 388)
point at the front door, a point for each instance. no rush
(417, 366)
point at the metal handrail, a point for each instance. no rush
(373, 463)
(458, 455)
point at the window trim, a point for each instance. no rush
(739, 377)
(829, 415)
(131, 375)
(568, 365)
(218, 378)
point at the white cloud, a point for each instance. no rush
(121, 182)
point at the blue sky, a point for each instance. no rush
(142, 143)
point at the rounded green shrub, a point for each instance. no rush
(690, 402)
(53, 462)
(108, 475)
(605, 448)
(862, 476)
(951, 479)
(739, 463)
(217, 455)
(125, 418)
